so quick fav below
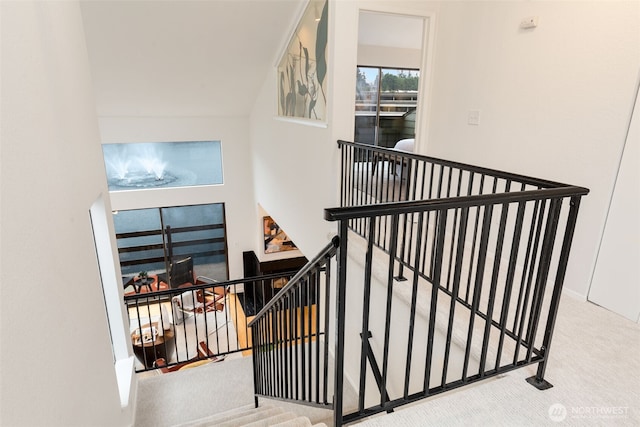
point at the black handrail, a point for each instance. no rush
(289, 338)
(417, 206)
(327, 251)
(456, 165)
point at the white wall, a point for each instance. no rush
(294, 172)
(57, 363)
(384, 56)
(297, 166)
(236, 193)
(555, 101)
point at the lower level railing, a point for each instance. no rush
(290, 346)
(175, 327)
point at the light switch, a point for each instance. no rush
(474, 117)
(529, 22)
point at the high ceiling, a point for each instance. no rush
(183, 58)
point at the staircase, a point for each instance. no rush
(248, 416)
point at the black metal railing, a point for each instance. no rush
(484, 255)
(374, 175)
(174, 327)
(487, 253)
(290, 346)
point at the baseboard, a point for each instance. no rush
(575, 295)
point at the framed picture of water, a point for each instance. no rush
(160, 165)
(302, 69)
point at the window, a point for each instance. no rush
(386, 102)
(150, 239)
(140, 166)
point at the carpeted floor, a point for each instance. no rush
(386, 184)
(594, 367)
(191, 394)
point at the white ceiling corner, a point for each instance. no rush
(182, 58)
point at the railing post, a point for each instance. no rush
(544, 264)
(365, 316)
(341, 283)
(254, 356)
(538, 380)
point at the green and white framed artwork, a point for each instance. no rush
(302, 70)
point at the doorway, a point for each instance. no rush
(390, 56)
(614, 283)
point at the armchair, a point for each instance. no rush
(180, 274)
(193, 302)
(403, 145)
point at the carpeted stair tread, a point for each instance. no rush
(275, 420)
(248, 416)
(231, 415)
(224, 416)
(296, 421)
(255, 415)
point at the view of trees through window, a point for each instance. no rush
(386, 102)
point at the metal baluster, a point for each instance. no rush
(529, 277)
(412, 316)
(387, 329)
(482, 255)
(538, 380)
(435, 284)
(543, 271)
(365, 317)
(506, 302)
(492, 290)
(464, 216)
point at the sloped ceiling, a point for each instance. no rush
(183, 58)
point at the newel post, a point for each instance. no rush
(340, 324)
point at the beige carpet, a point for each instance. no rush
(594, 367)
(384, 185)
(188, 395)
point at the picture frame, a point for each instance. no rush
(275, 239)
(302, 69)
